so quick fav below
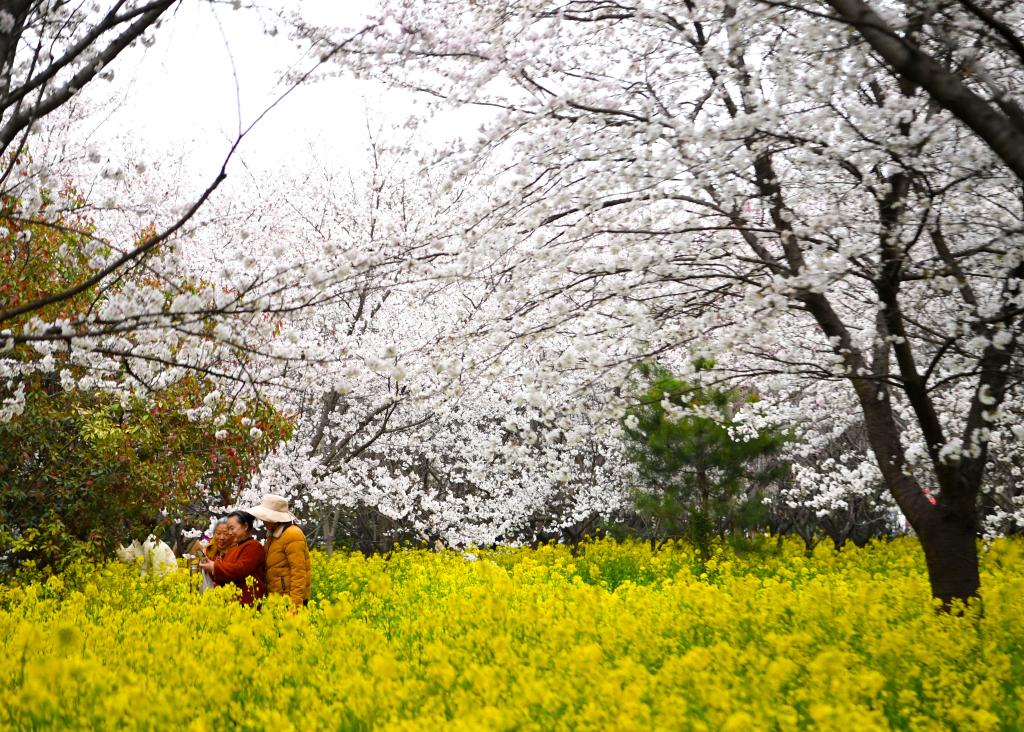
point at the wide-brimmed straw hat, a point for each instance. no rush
(273, 508)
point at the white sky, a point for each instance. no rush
(178, 98)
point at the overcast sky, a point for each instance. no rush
(179, 96)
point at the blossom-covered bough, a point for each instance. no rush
(962, 54)
(140, 314)
(830, 213)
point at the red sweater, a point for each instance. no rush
(243, 566)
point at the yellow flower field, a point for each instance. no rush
(616, 638)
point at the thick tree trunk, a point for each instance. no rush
(951, 552)
(948, 530)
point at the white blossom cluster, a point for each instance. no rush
(733, 181)
(736, 180)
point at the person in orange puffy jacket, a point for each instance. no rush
(287, 553)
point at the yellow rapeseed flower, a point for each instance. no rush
(614, 636)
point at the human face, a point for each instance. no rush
(237, 530)
(222, 536)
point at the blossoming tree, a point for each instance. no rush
(399, 436)
(747, 178)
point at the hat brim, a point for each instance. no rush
(265, 514)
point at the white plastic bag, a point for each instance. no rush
(207, 583)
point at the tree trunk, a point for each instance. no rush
(951, 552)
(330, 525)
(948, 530)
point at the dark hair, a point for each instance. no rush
(244, 517)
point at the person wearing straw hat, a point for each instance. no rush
(287, 562)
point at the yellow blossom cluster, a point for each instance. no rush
(614, 637)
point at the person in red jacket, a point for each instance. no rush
(242, 564)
